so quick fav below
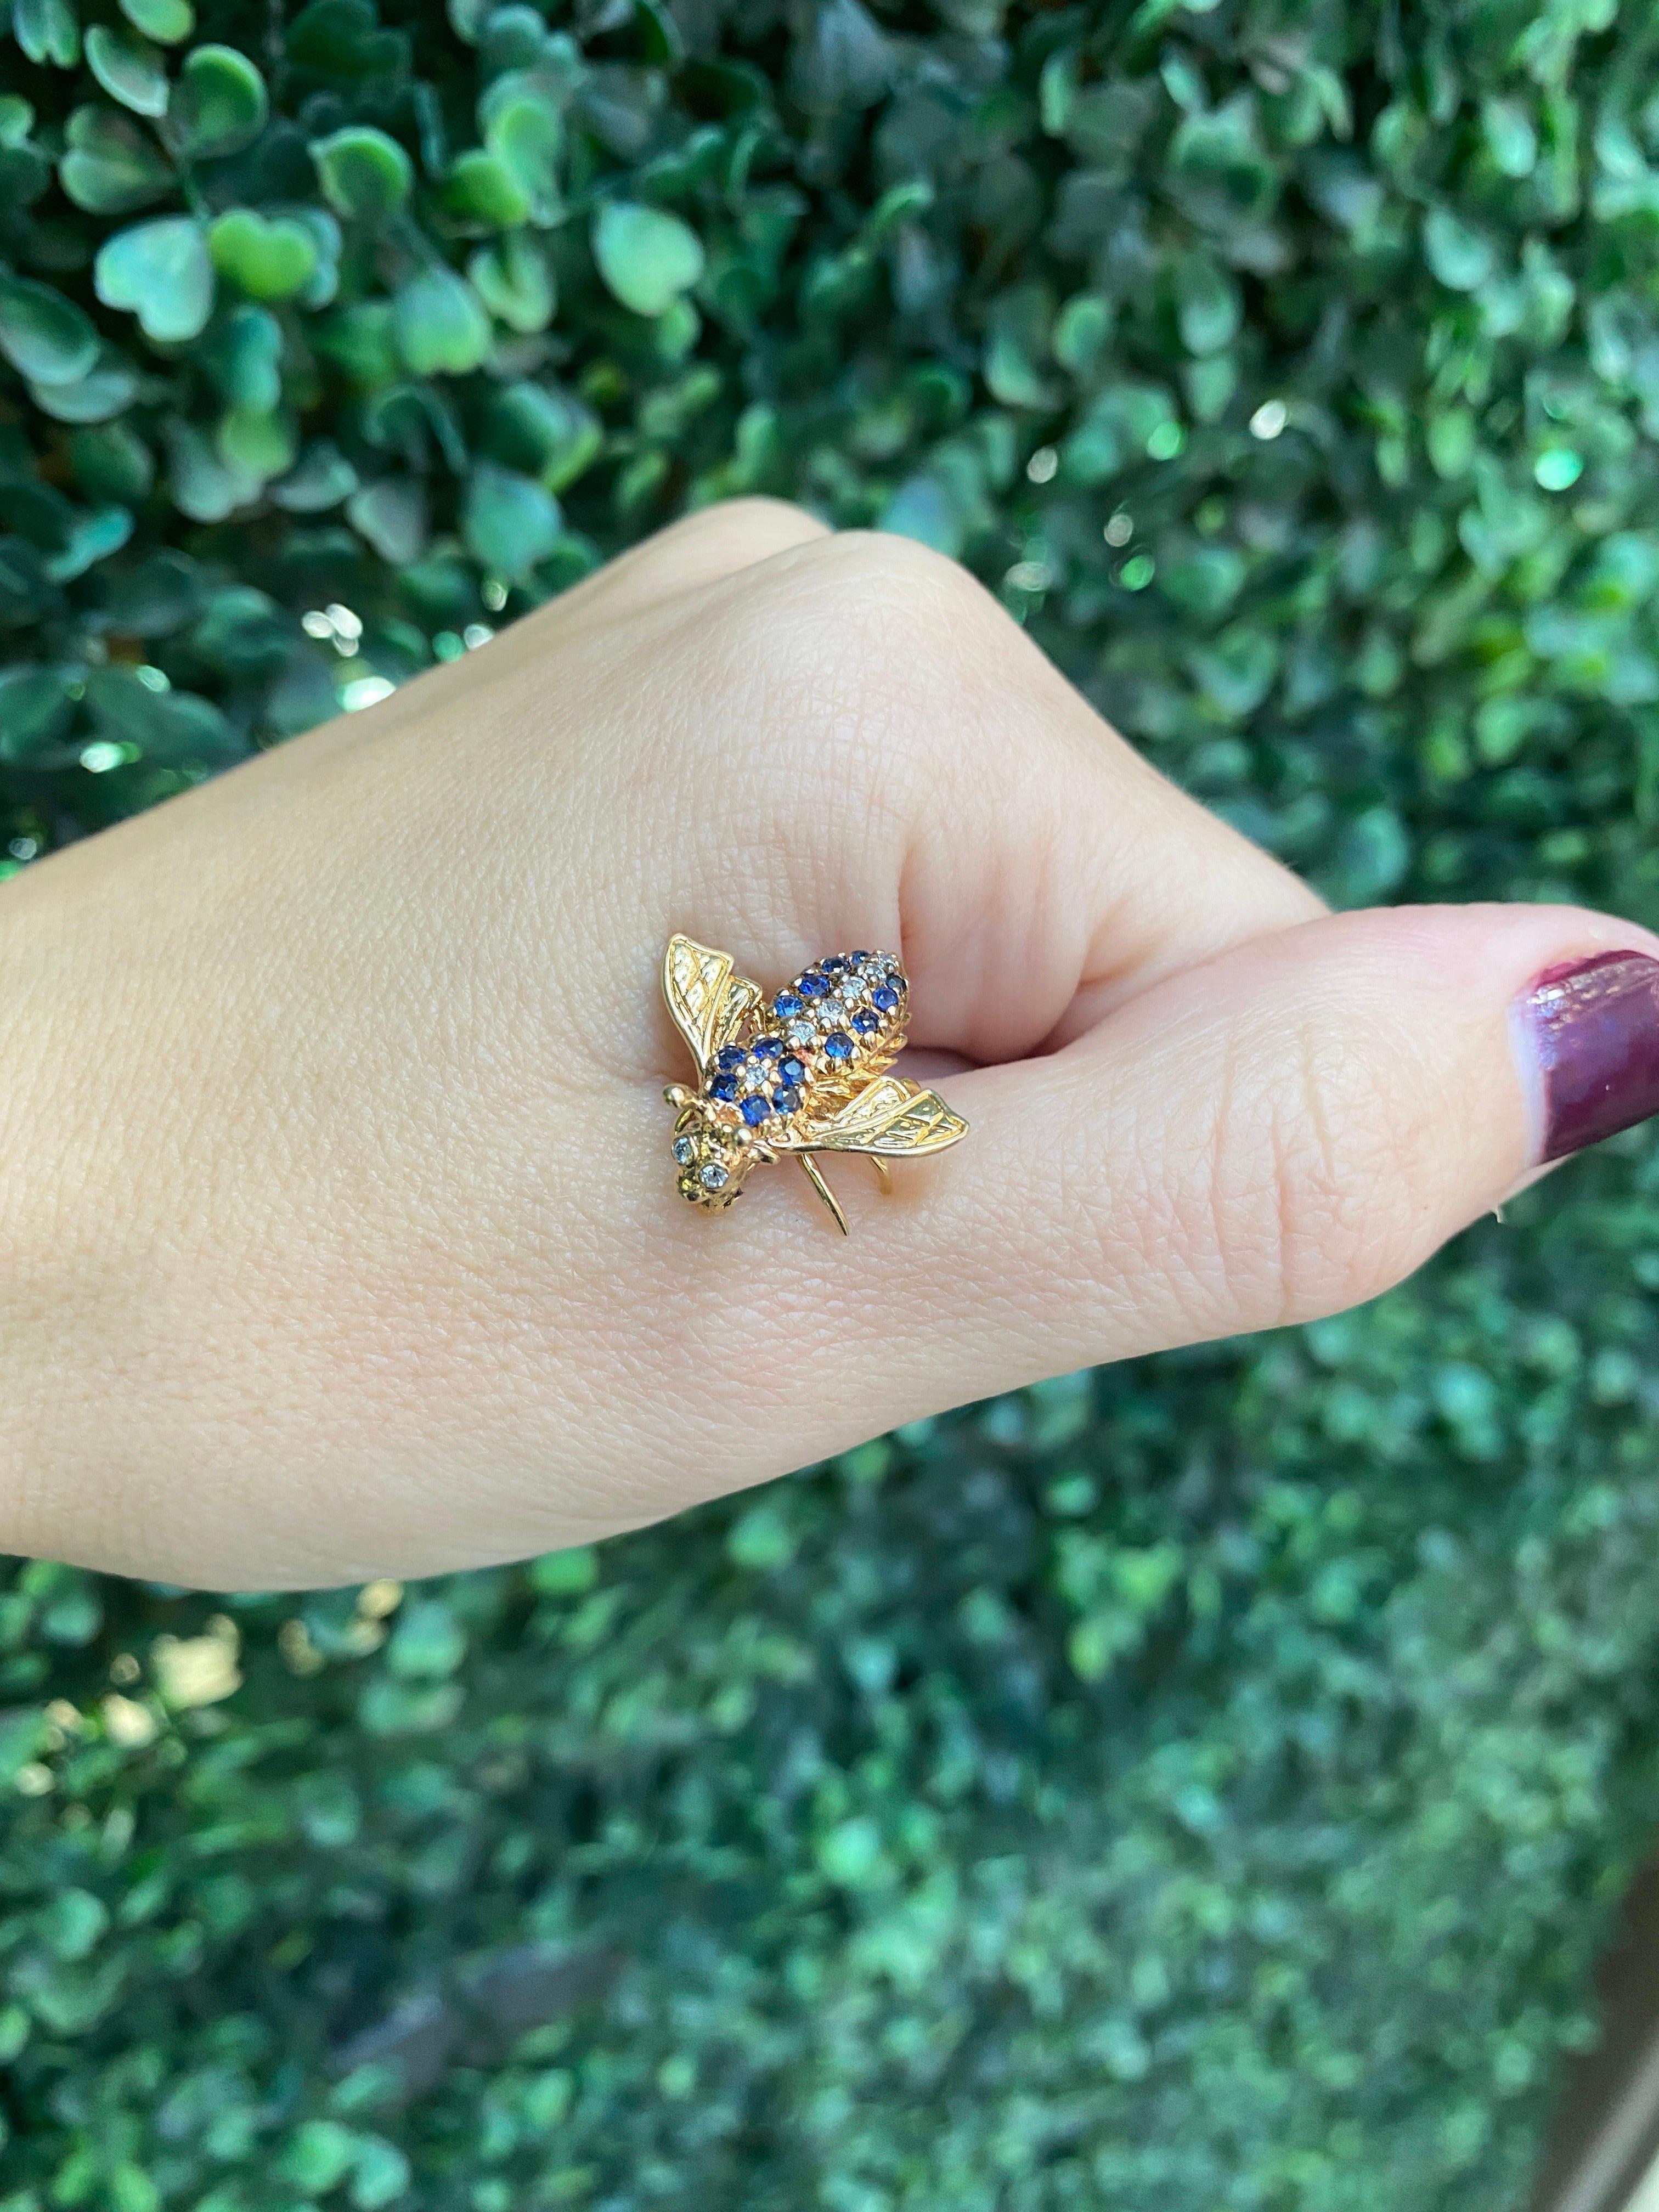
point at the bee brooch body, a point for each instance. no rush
(803, 1072)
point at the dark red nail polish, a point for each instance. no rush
(1592, 1030)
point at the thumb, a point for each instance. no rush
(1282, 1131)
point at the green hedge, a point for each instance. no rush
(1203, 1784)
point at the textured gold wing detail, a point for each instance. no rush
(887, 1115)
(708, 1001)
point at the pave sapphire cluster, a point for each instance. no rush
(834, 1024)
(802, 1071)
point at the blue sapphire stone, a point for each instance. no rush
(812, 985)
(786, 1003)
(792, 1070)
(833, 964)
(838, 1045)
(767, 1047)
(865, 1023)
(729, 1056)
(725, 1088)
(885, 997)
(787, 1101)
(900, 981)
(755, 1110)
(854, 957)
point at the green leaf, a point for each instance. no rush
(36, 709)
(362, 340)
(565, 1574)
(1459, 256)
(427, 1644)
(109, 165)
(513, 279)
(243, 356)
(93, 537)
(380, 2177)
(646, 257)
(170, 728)
(16, 120)
(25, 167)
(482, 192)
(48, 31)
(440, 323)
(107, 389)
(1511, 135)
(162, 272)
(256, 444)
(72, 1923)
(509, 521)
(545, 431)
(339, 39)
(1207, 305)
(844, 63)
(111, 462)
(321, 479)
(391, 515)
(267, 259)
(203, 486)
(330, 1810)
(167, 21)
(851, 1854)
(44, 336)
(128, 68)
(156, 597)
(923, 509)
(523, 128)
(132, 2190)
(364, 175)
(219, 104)
(322, 229)
(762, 1538)
(318, 2155)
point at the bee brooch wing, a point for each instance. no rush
(709, 1001)
(889, 1116)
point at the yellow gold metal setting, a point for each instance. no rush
(804, 1072)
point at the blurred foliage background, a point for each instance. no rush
(1204, 1783)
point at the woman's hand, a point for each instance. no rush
(341, 1232)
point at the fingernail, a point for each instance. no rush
(1587, 1035)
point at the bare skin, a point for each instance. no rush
(340, 1232)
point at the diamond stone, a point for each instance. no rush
(712, 1175)
(685, 1151)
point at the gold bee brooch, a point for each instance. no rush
(803, 1072)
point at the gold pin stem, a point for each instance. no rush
(809, 1166)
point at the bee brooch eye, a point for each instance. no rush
(803, 1072)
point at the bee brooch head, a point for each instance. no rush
(713, 1154)
(803, 1072)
